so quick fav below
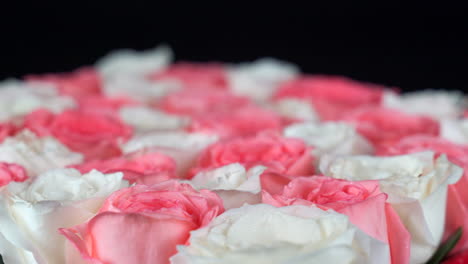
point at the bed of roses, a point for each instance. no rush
(138, 159)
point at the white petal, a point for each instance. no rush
(455, 130)
(138, 88)
(260, 79)
(448, 103)
(35, 154)
(20, 98)
(144, 119)
(136, 63)
(295, 109)
(176, 140)
(330, 138)
(294, 234)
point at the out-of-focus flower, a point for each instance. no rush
(37, 155)
(33, 211)
(94, 135)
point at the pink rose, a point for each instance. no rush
(143, 224)
(104, 105)
(244, 121)
(195, 76)
(11, 172)
(284, 155)
(78, 84)
(457, 195)
(6, 130)
(361, 201)
(383, 126)
(331, 96)
(190, 102)
(96, 136)
(142, 168)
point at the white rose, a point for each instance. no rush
(455, 130)
(296, 234)
(19, 98)
(295, 109)
(138, 87)
(232, 183)
(32, 212)
(134, 63)
(144, 119)
(448, 104)
(35, 154)
(416, 186)
(260, 79)
(183, 147)
(330, 138)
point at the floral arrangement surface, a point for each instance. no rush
(140, 160)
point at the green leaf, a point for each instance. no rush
(446, 247)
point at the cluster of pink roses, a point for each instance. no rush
(137, 160)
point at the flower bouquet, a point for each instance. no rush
(140, 160)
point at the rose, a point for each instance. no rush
(145, 119)
(142, 168)
(361, 201)
(184, 148)
(32, 212)
(37, 155)
(103, 105)
(330, 138)
(154, 219)
(78, 84)
(139, 89)
(423, 102)
(457, 200)
(295, 110)
(233, 183)
(94, 135)
(284, 155)
(11, 172)
(243, 121)
(264, 234)
(260, 79)
(195, 102)
(416, 185)
(455, 130)
(20, 98)
(331, 97)
(195, 76)
(134, 63)
(6, 130)
(383, 126)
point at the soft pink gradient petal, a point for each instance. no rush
(369, 216)
(144, 239)
(399, 237)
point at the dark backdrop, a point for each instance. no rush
(408, 47)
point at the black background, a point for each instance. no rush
(411, 47)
